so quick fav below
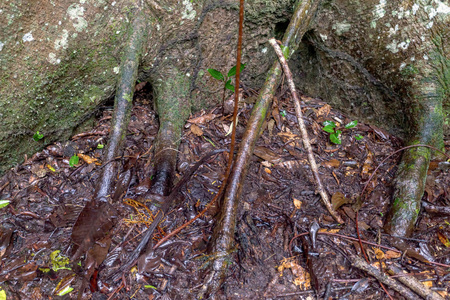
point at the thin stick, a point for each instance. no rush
(306, 142)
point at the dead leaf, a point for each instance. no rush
(276, 113)
(196, 130)
(288, 137)
(302, 278)
(140, 86)
(203, 119)
(333, 163)
(444, 240)
(338, 199)
(267, 154)
(368, 165)
(323, 111)
(392, 254)
(87, 158)
(267, 170)
(39, 170)
(270, 125)
(378, 253)
(266, 164)
(329, 230)
(297, 203)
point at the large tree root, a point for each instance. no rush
(223, 238)
(429, 89)
(96, 218)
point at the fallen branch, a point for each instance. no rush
(359, 263)
(414, 284)
(301, 124)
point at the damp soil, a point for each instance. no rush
(279, 202)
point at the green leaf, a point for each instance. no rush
(2, 295)
(351, 124)
(232, 71)
(283, 113)
(335, 139)
(329, 128)
(329, 123)
(37, 136)
(4, 203)
(358, 137)
(148, 286)
(74, 160)
(285, 50)
(100, 146)
(65, 290)
(216, 74)
(229, 86)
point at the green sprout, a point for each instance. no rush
(225, 79)
(37, 136)
(335, 134)
(74, 160)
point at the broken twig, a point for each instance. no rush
(301, 124)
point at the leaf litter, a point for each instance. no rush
(46, 195)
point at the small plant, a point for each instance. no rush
(225, 79)
(335, 133)
(74, 160)
(38, 136)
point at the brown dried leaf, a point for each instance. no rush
(270, 125)
(368, 165)
(297, 203)
(444, 240)
(203, 119)
(196, 130)
(392, 254)
(333, 163)
(267, 154)
(378, 253)
(338, 199)
(323, 111)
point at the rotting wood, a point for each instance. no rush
(99, 211)
(305, 137)
(223, 236)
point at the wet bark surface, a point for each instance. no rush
(278, 202)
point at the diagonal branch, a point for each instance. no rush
(301, 124)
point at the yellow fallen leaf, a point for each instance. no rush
(297, 203)
(87, 158)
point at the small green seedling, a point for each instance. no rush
(335, 134)
(38, 136)
(74, 160)
(283, 113)
(100, 146)
(225, 79)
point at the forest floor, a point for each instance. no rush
(279, 201)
